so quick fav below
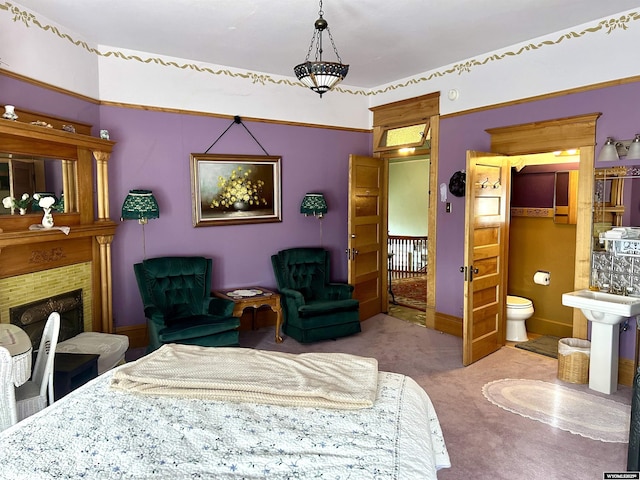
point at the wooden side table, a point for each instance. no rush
(255, 297)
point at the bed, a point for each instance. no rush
(115, 428)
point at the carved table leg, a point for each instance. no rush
(277, 308)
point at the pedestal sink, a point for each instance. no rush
(605, 311)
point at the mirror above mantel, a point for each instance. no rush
(21, 174)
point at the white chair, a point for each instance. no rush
(8, 412)
(31, 397)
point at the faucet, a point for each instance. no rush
(621, 290)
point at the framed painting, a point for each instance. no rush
(235, 189)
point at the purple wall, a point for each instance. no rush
(620, 119)
(37, 99)
(152, 151)
(534, 186)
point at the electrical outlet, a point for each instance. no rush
(448, 207)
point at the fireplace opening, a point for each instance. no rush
(32, 317)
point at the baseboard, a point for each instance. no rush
(447, 324)
(625, 371)
(137, 335)
(544, 326)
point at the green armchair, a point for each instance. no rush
(176, 293)
(314, 308)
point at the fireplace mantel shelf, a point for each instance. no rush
(22, 237)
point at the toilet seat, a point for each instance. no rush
(518, 302)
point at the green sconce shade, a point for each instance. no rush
(140, 205)
(314, 204)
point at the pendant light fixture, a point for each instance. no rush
(321, 76)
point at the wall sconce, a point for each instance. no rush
(613, 149)
(316, 205)
(140, 205)
(634, 149)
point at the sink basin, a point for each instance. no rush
(605, 310)
(601, 307)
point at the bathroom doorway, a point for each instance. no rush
(542, 237)
(540, 137)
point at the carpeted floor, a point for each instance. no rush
(410, 292)
(484, 441)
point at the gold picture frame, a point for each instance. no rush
(235, 189)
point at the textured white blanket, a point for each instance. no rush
(324, 380)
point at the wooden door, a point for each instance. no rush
(366, 247)
(23, 178)
(486, 253)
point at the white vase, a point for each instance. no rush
(9, 112)
(22, 211)
(47, 218)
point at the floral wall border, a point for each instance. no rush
(605, 26)
(532, 212)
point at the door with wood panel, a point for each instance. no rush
(365, 249)
(486, 253)
(23, 178)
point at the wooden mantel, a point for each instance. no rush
(90, 234)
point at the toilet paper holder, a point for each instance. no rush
(542, 277)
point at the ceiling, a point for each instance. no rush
(381, 40)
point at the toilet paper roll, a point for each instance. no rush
(541, 278)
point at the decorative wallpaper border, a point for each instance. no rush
(532, 212)
(605, 26)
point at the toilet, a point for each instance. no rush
(518, 310)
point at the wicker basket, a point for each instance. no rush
(573, 360)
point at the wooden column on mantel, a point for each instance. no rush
(89, 240)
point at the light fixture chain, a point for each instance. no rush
(334, 45)
(313, 38)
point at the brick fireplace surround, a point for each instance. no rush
(19, 290)
(39, 264)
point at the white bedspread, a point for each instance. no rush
(326, 380)
(99, 433)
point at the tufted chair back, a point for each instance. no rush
(303, 269)
(314, 307)
(178, 286)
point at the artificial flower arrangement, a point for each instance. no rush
(25, 200)
(22, 203)
(238, 188)
(44, 202)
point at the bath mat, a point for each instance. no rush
(580, 413)
(544, 345)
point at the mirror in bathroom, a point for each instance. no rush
(616, 201)
(26, 174)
